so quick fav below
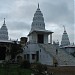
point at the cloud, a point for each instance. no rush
(18, 29)
(18, 25)
(59, 12)
(17, 34)
(19, 15)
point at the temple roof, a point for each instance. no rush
(65, 39)
(38, 20)
(41, 31)
(6, 41)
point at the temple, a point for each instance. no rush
(65, 39)
(4, 32)
(38, 33)
(40, 49)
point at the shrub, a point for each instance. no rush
(25, 64)
(40, 68)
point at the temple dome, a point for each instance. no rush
(65, 39)
(4, 32)
(38, 20)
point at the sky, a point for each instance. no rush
(19, 15)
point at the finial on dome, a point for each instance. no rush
(38, 5)
(64, 28)
(4, 20)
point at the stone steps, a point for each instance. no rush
(62, 57)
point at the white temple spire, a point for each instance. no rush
(38, 20)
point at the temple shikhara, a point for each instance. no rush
(4, 32)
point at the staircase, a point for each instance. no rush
(62, 57)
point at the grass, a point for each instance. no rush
(14, 70)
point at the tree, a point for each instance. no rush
(15, 49)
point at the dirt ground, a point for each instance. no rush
(62, 70)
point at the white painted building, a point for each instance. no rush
(69, 48)
(34, 53)
(38, 49)
(38, 35)
(65, 43)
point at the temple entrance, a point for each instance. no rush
(2, 53)
(40, 38)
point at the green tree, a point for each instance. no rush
(15, 49)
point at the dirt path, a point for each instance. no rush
(67, 70)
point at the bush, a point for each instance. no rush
(40, 68)
(25, 64)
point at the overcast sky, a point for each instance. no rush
(19, 15)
